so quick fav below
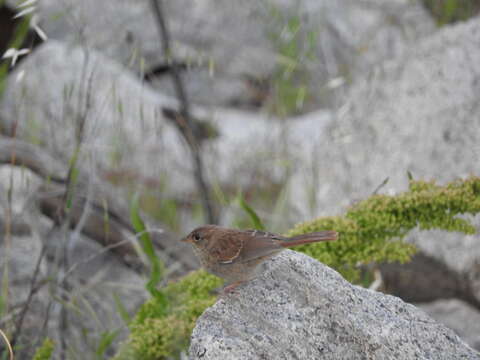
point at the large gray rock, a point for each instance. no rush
(124, 128)
(301, 309)
(446, 267)
(127, 136)
(418, 113)
(97, 282)
(458, 316)
(96, 279)
(350, 36)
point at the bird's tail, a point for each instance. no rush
(310, 238)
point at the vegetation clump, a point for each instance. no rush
(159, 334)
(372, 230)
(45, 351)
(450, 11)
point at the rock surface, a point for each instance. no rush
(458, 316)
(417, 113)
(446, 267)
(301, 309)
(126, 133)
(349, 35)
(97, 279)
(124, 127)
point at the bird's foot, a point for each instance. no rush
(230, 289)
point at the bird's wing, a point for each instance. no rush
(226, 248)
(259, 243)
(264, 234)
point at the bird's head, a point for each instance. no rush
(200, 236)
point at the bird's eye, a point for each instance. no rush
(196, 237)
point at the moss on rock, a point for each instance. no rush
(45, 351)
(155, 335)
(372, 230)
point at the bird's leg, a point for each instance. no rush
(230, 288)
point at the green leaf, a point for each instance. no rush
(106, 339)
(122, 310)
(384, 182)
(254, 218)
(73, 178)
(5, 290)
(156, 271)
(45, 351)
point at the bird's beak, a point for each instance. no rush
(185, 239)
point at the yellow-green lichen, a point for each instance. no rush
(371, 230)
(450, 11)
(45, 351)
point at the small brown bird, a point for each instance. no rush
(234, 255)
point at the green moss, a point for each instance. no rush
(45, 351)
(372, 230)
(449, 11)
(155, 335)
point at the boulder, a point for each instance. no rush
(301, 309)
(458, 316)
(128, 139)
(348, 37)
(124, 129)
(96, 284)
(417, 113)
(446, 267)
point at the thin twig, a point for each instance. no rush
(379, 187)
(9, 346)
(31, 293)
(184, 121)
(92, 257)
(85, 93)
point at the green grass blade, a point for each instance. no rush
(106, 339)
(156, 271)
(122, 310)
(45, 351)
(254, 218)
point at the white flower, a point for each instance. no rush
(336, 82)
(20, 76)
(14, 54)
(29, 7)
(34, 24)
(26, 3)
(24, 12)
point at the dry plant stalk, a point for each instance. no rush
(10, 350)
(183, 121)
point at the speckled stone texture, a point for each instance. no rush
(301, 309)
